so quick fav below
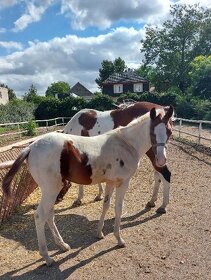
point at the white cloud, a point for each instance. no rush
(7, 3)
(2, 30)
(11, 45)
(69, 59)
(103, 13)
(32, 14)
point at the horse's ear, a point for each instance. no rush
(152, 113)
(168, 114)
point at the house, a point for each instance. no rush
(125, 82)
(4, 97)
(78, 90)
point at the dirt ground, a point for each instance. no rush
(176, 245)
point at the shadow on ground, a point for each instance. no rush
(77, 231)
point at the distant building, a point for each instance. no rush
(78, 90)
(4, 97)
(125, 82)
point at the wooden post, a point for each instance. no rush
(180, 127)
(200, 130)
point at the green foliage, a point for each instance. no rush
(108, 67)
(31, 95)
(16, 111)
(57, 88)
(31, 128)
(101, 103)
(47, 109)
(147, 72)
(200, 75)
(173, 46)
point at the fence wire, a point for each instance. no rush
(22, 186)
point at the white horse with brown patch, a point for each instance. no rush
(112, 158)
(89, 122)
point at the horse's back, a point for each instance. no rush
(89, 122)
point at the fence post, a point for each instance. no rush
(19, 130)
(180, 127)
(200, 130)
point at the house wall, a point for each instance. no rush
(108, 89)
(4, 98)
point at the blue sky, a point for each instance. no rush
(45, 41)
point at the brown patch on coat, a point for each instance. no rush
(73, 165)
(88, 120)
(122, 117)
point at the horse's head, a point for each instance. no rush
(160, 131)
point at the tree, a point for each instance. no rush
(31, 95)
(172, 47)
(148, 72)
(108, 67)
(200, 75)
(57, 88)
(11, 93)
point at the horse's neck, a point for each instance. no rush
(137, 135)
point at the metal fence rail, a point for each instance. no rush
(20, 129)
(199, 123)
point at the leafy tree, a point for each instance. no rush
(200, 75)
(31, 95)
(172, 47)
(11, 93)
(101, 102)
(57, 88)
(48, 108)
(148, 72)
(16, 111)
(108, 67)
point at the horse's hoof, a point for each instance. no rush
(77, 203)
(98, 198)
(65, 247)
(100, 236)
(58, 200)
(49, 261)
(161, 210)
(150, 204)
(122, 245)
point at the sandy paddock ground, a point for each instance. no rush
(176, 245)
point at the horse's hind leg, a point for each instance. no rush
(41, 216)
(78, 202)
(100, 193)
(57, 237)
(106, 203)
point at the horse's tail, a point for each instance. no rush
(13, 170)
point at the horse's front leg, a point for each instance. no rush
(106, 203)
(120, 193)
(100, 193)
(164, 175)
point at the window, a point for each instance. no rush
(118, 88)
(138, 87)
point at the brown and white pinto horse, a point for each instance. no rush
(89, 122)
(112, 158)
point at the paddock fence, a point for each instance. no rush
(196, 130)
(23, 184)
